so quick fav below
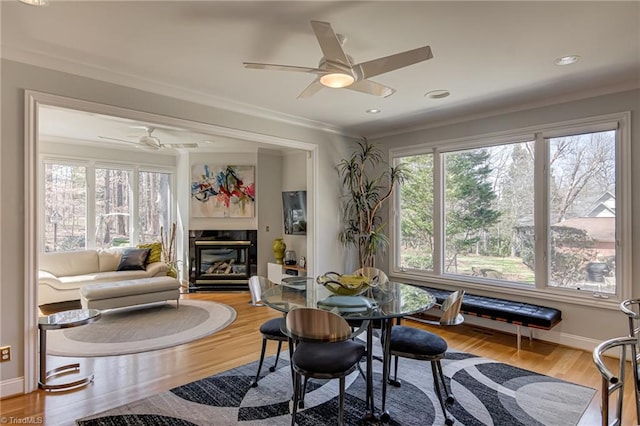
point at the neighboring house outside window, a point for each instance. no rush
(544, 210)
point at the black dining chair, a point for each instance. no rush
(410, 342)
(270, 329)
(324, 349)
(612, 382)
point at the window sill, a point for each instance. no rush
(494, 288)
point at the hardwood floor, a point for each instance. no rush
(123, 379)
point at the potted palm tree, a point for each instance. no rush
(368, 182)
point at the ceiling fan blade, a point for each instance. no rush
(259, 66)
(311, 89)
(372, 88)
(329, 43)
(179, 145)
(392, 62)
(118, 140)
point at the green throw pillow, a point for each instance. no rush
(156, 251)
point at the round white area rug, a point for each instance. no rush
(141, 328)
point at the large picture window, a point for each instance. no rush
(65, 207)
(154, 189)
(488, 195)
(94, 206)
(112, 207)
(539, 210)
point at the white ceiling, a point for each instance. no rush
(491, 56)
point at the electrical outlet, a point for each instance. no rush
(5, 353)
(267, 228)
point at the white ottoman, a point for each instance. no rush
(129, 292)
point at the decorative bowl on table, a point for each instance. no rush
(346, 285)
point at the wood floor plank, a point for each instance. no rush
(123, 379)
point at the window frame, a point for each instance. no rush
(540, 135)
(91, 165)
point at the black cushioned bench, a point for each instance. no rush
(518, 313)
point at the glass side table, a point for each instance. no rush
(57, 321)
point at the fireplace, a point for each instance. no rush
(222, 259)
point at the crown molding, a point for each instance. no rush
(46, 60)
(473, 113)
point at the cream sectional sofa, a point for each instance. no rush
(62, 275)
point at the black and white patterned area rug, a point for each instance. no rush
(486, 392)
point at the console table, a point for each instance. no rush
(57, 321)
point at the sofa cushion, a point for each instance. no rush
(78, 281)
(70, 263)
(107, 290)
(155, 255)
(133, 259)
(109, 259)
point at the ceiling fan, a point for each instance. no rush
(337, 70)
(151, 142)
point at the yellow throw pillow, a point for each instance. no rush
(156, 251)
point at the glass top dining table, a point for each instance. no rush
(382, 303)
(387, 300)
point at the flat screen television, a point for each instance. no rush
(294, 207)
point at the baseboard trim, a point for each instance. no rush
(11, 387)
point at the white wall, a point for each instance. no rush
(268, 189)
(17, 77)
(582, 326)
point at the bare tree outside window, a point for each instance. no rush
(67, 198)
(112, 208)
(65, 206)
(582, 211)
(154, 205)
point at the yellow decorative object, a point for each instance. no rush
(155, 255)
(173, 271)
(278, 250)
(346, 285)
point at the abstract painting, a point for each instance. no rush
(222, 191)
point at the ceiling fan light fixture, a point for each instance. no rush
(36, 2)
(337, 80)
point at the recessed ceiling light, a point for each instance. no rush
(373, 111)
(566, 60)
(437, 94)
(35, 2)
